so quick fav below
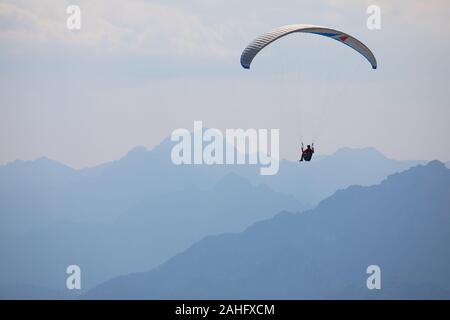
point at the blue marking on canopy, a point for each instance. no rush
(326, 34)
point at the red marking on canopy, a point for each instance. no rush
(343, 38)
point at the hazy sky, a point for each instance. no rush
(137, 70)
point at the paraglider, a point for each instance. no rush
(307, 153)
(252, 50)
(262, 41)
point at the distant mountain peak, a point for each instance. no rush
(434, 167)
(137, 153)
(44, 159)
(436, 164)
(40, 162)
(165, 146)
(137, 150)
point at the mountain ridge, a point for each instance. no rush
(164, 226)
(238, 266)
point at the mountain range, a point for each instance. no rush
(401, 225)
(38, 193)
(134, 213)
(141, 238)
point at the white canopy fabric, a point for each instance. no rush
(262, 41)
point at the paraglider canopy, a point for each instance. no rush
(262, 41)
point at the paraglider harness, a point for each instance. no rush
(307, 154)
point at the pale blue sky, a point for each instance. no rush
(137, 70)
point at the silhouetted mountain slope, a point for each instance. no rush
(161, 227)
(402, 225)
